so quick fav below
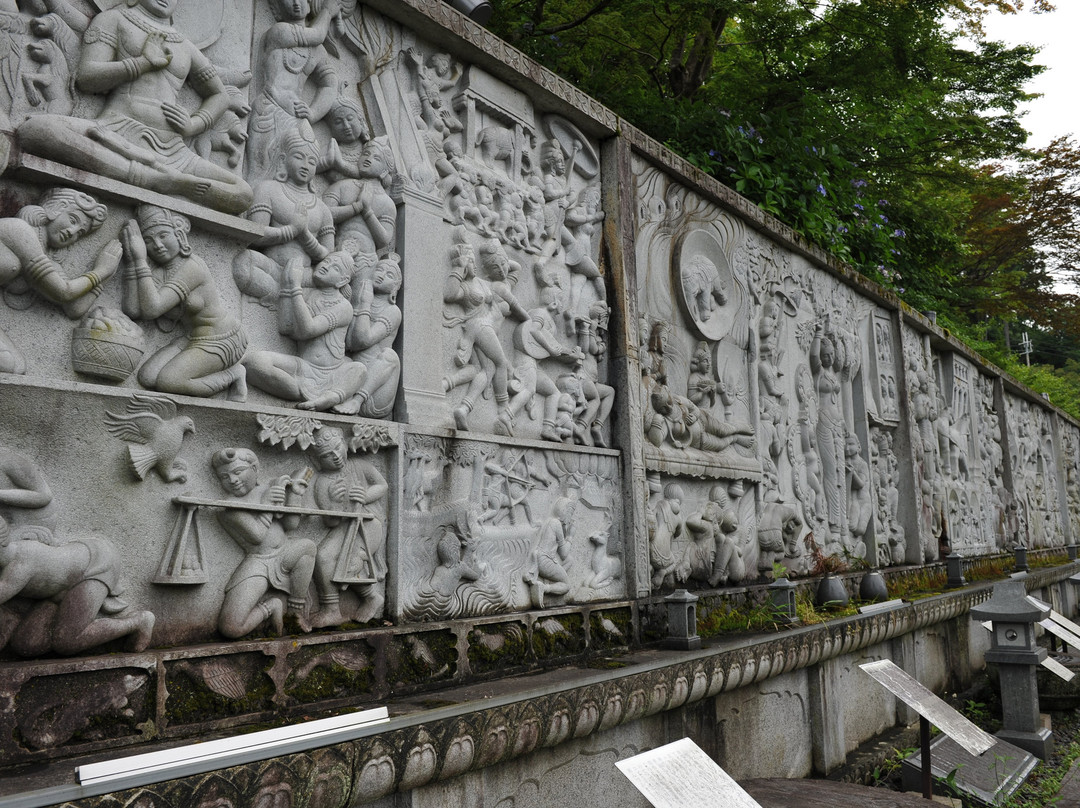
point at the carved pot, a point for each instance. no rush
(872, 588)
(105, 354)
(831, 592)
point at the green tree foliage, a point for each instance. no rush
(887, 131)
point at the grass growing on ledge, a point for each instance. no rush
(727, 618)
(920, 583)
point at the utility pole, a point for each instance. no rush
(1025, 348)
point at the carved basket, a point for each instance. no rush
(105, 354)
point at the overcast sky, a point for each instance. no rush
(1058, 34)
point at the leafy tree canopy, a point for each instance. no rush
(887, 131)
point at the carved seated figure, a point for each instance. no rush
(272, 559)
(135, 57)
(206, 360)
(297, 223)
(320, 376)
(62, 218)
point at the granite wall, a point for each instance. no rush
(346, 354)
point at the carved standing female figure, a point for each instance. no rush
(829, 429)
(479, 355)
(206, 360)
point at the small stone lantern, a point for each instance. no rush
(1021, 558)
(682, 621)
(782, 599)
(1013, 650)
(954, 564)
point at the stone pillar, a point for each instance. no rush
(826, 717)
(424, 243)
(1013, 650)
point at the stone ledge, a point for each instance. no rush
(480, 724)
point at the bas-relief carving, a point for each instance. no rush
(61, 218)
(154, 434)
(262, 518)
(58, 596)
(489, 529)
(696, 534)
(139, 62)
(1034, 474)
(207, 359)
(885, 470)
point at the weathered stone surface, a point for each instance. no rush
(348, 354)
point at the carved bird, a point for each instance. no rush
(218, 676)
(612, 630)
(154, 434)
(553, 628)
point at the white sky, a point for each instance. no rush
(1058, 34)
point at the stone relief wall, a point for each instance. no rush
(275, 233)
(314, 324)
(789, 418)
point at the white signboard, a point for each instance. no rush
(681, 775)
(910, 691)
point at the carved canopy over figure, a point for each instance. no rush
(205, 360)
(62, 217)
(140, 62)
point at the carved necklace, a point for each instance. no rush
(140, 21)
(303, 200)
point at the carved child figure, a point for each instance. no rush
(272, 559)
(343, 486)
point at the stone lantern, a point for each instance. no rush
(682, 621)
(1013, 650)
(782, 598)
